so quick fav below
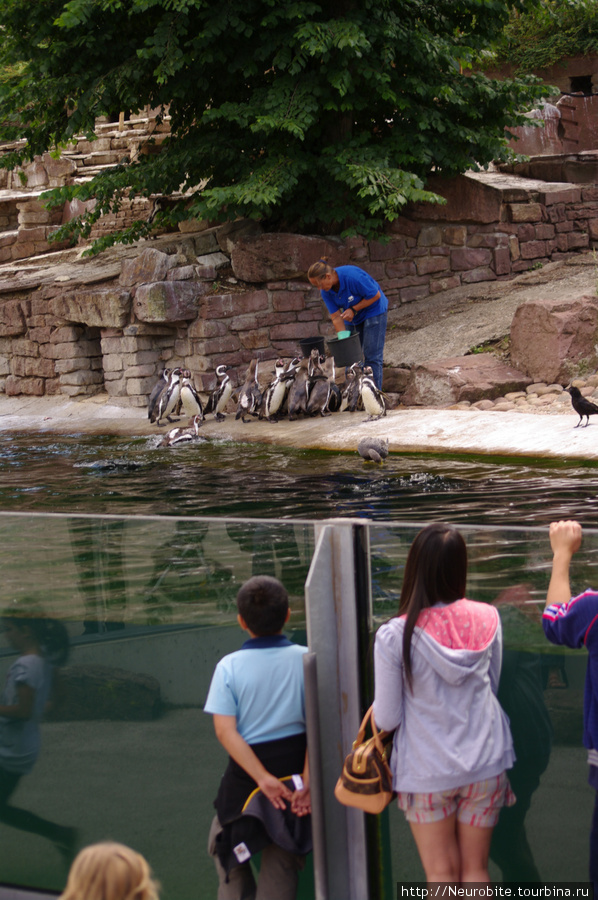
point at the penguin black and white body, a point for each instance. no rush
(157, 389)
(250, 396)
(372, 448)
(319, 395)
(299, 391)
(169, 398)
(350, 392)
(190, 399)
(288, 378)
(335, 399)
(177, 436)
(220, 396)
(371, 396)
(274, 395)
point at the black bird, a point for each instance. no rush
(581, 405)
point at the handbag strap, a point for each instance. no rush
(369, 717)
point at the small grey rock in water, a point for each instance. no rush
(375, 449)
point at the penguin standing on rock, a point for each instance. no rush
(335, 400)
(169, 398)
(219, 397)
(299, 391)
(371, 396)
(157, 389)
(250, 396)
(177, 436)
(273, 396)
(375, 449)
(190, 399)
(351, 390)
(319, 396)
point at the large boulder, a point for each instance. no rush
(100, 309)
(551, 340)
(150, 266)
(272, 257)
(480, 376)
(168, 301)
(232, 232)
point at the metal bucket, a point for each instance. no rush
(312, 343)
(345, 351)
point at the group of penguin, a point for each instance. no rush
(300, 386)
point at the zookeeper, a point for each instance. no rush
(355, 301)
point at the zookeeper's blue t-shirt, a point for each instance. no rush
(355, 285)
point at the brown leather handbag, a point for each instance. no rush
(366, 779)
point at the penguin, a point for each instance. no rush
(371, 396)
(157, 389)
(177, 436)
(249, 395)
(273, 396)
(319, 395)
(335, 399)
(190, 399)
(375, 449)
(299, 391)
(220, 396)
(169, 397)
(350, 393)
(288, 378)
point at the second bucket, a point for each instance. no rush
(312, 343)
(346, 351)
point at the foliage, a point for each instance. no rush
(549, 33)
(312, 115)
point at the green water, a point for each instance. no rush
(125, 476)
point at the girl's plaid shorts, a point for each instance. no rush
(476, 804)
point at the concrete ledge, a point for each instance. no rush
(408, 430)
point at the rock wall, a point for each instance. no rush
(225, 295)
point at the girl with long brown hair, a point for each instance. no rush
(437, 667)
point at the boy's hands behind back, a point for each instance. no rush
(276, 792)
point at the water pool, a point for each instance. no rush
(132, 476)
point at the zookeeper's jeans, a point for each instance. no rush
(372, 333)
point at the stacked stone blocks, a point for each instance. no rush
(220, 297)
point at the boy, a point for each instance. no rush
(574, 623)
(257, 699)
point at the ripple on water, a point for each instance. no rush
(222, 478)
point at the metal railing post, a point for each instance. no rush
(335, 636)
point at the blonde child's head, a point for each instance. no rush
(110, 871)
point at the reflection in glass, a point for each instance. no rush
(40, 643)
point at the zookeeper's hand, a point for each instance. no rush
(348, 315)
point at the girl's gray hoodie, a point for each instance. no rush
(451, 729)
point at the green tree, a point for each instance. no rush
(548, 33)
(313, 116)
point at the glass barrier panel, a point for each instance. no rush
(546, 835)
(147, 607)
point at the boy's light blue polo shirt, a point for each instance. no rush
(354, 285)
(262, 686)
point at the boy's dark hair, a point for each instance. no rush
(263, 603)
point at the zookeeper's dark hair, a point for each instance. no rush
(320, 269)
(263, 603)
(435, 571)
